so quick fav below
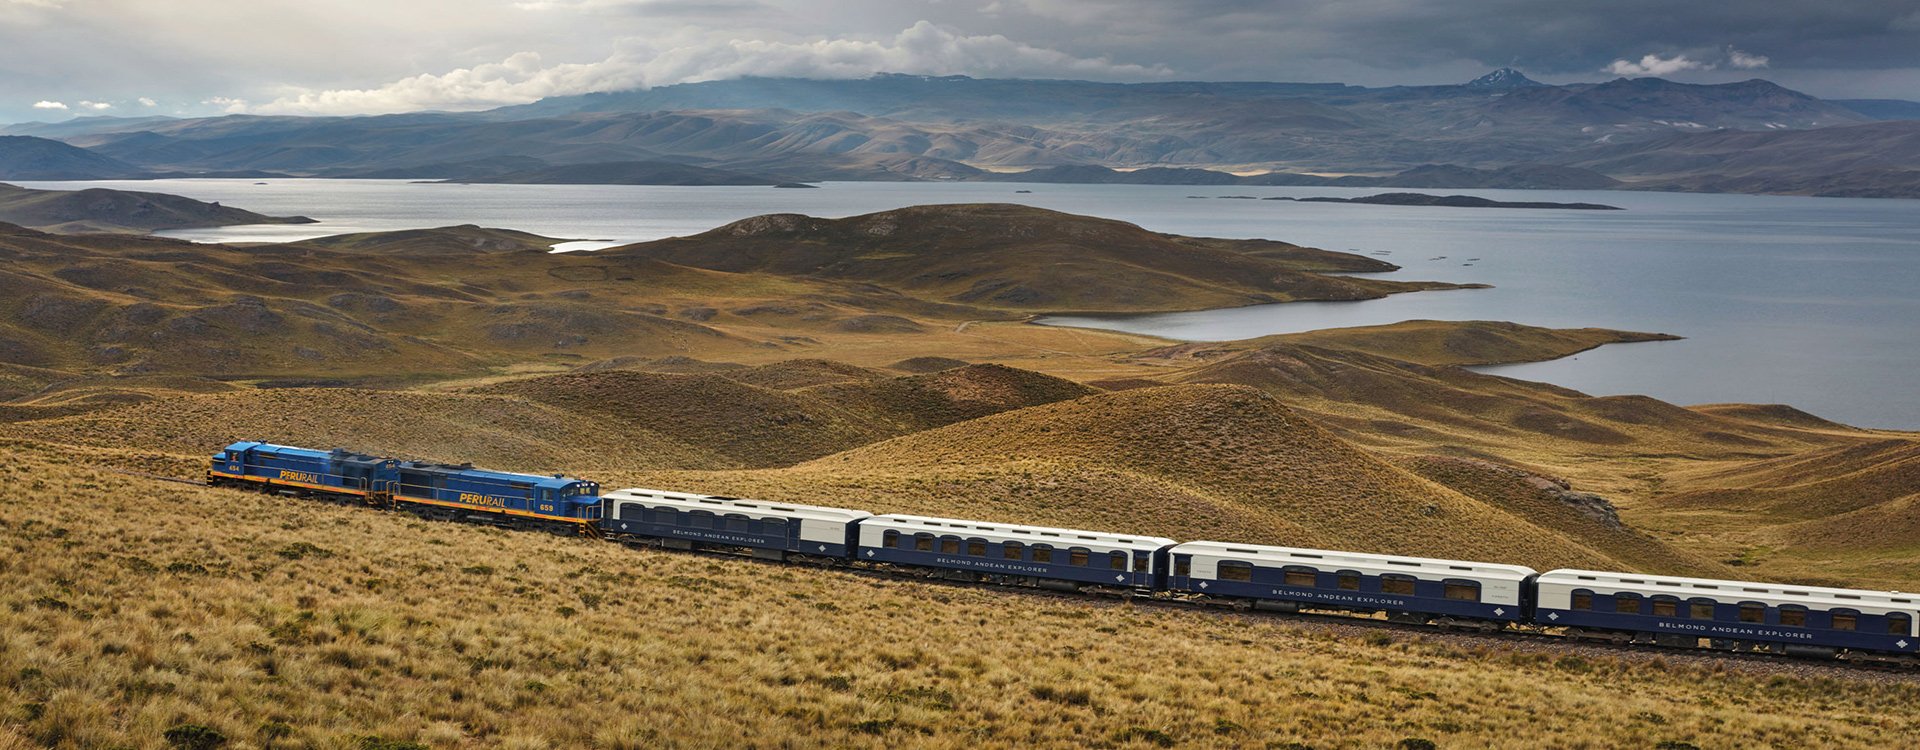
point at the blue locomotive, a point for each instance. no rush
(454, 492)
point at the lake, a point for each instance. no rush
(1813, 302)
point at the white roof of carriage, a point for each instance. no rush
(725, 505)
(1321, 559)
(1015, 532)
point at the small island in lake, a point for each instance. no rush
(1454, 201)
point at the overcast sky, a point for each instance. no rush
(62, 58)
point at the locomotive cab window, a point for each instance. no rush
(1468, 591)
(1234, 570)
(1792, 615)
(1306, 577)
(1395, 583)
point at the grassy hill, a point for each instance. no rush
(124, 211)
(465, 239)
(782, 414)
(1029, 259)
(1431, 342)
(1190, 462)
(293, 624)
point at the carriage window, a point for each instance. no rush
(1183, 566)
(1628, 604)
(1392, 583)
(1899, 624)
(1665, 606)
(773, 526)
(1582, 600)
(1300, 577)
(1470, 592)
(923, 542)
(890, 539)
(977, 548)
(1793, 616)
(1349, 580)
(949, 545)
(1235, 571)
(1076, 556)
(631, 512)
(700, 519)
(736, 523)
(1142, 564)
(1700, 610)
(1845, 620)
(1042, 553)
(1753, 613)
(1010, 550)
(1117, 561)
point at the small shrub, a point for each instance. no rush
(1075, 696)
(1675, 745)
(478, 570)
(1415, 743)
(1143, 734)
(298, 550)
(194, 737)
(275, 730)
(874, 726)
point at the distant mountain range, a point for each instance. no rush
(1500, 130)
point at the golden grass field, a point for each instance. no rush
(284, 623)
(854, 379)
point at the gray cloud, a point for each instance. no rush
(378, 55)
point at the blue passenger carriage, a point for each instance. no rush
(1731, 615)
(770, 530)
(1408, 589)
(554, 502)
(1009, 553)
